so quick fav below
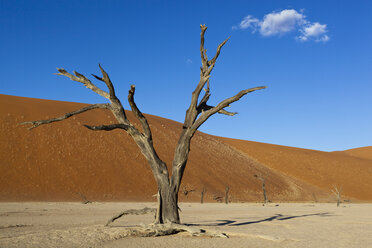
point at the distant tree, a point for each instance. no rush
(85, 199)
(197, 113)
(314, 197)
(186, 191)
(202, 193)
(337, 191)
(227, 190)
(217, 197)
(263, 188)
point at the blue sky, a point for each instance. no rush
(314, 56)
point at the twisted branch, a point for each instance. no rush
(106, 79)
(108, 127)
(225, 103)
(82, 79)
(138, 114)
(131, 212)
(65, 116)
(212, 62)
(203, 52)
(204, 107)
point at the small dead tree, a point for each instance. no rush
(314, 197)
(263, 188)
(197, 113)
(84, 198)
(227, 189)
(202, 193)
(337, 191)
(186, 191)
(217, 198)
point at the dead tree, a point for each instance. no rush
(337, 191)
(202, 193)
(217, 198)
(263, 188)
(186, 191)
(315, 198)
(85, 199)
(197, 113)
(227, 189)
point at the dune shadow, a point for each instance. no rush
(278, 217)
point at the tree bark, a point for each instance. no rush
(169, 204)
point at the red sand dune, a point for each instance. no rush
(63, 161)
(361, 152)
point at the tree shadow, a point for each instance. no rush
(278, 217)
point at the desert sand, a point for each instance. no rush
(46, 173)
(247, 225)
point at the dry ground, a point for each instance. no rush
(247, 224)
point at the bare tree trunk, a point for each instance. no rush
(169, 204)
(315, 198)
(158, 215)
(264, 192)
(337, 191)
(263, 188)
(202, 195)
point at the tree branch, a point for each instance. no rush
(221, 106)
(131, 212)
(107, 127)
(203, 52)
(138, 113)
(82, 79)
(205, 107)
(106, 79)
(156, 230)
(212, 62)
(205, 70)
(206, 96)
(66, 116)
(225, 112)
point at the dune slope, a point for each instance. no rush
(361, 152)
(65, 161)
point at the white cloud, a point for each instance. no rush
(278, 23)
(283, 22)
(314, 31)
(324, 38)
(249, 22)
